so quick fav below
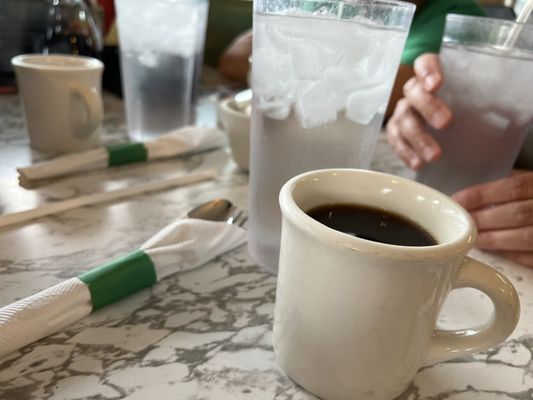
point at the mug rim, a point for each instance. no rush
(289, 209)
(228, 109)
(80, 63)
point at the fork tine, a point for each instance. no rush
(239, 219)
(243, 220)
(233, 217)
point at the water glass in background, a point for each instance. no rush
(161, 42)
(322, 77)
(489, 88)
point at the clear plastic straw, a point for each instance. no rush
(522, 18)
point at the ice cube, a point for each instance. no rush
(269, 70)
(316, 106)
(272, 82)
(305, 60)
(340, 82)
(352, 44)
(382, 69)
(173, 26)
(148, 58)
(276, 36)
(345, 80)
(178, 36)
(276, 108)
(497, 121)
(365, 103)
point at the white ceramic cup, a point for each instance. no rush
(62, 100)
(236, 123)
(355, 319)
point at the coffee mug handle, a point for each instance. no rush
(95, 108)
(449, 344)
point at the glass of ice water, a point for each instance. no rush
(488, 85)
(322, 73)
(161, 44)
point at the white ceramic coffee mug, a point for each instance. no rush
(62, 100)
(355, 319)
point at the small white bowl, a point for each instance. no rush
(236, 123)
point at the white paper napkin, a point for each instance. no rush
(181, 246)
(184, 140)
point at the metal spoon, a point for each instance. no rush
(214, 210)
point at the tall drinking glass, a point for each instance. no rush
(488, 85)
(322, 73)
(160, 42)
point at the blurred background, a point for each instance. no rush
(87, 27)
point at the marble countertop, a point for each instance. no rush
(204, 334)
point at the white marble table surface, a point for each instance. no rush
(205, 334)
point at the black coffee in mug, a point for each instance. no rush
(372, 224)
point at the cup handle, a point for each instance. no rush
(450, 344)
(93, 103)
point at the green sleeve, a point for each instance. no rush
(427, 28)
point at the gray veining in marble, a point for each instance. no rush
(205, 334)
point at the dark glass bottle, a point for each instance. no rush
(71, 29)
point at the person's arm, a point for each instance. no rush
(233, 64)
